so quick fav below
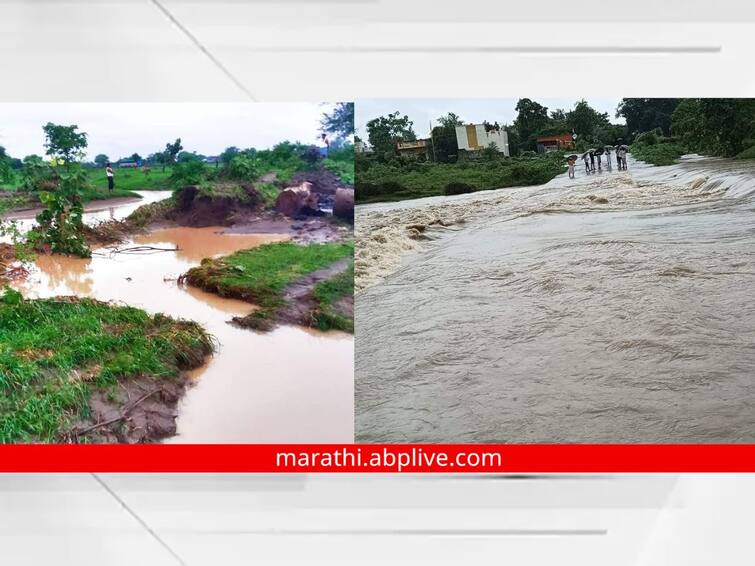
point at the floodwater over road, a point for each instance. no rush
(547, 314)
(289, 385)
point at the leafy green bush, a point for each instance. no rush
(747, 153)
(61, 225)
(192, 172)
(396, 181)
(243, 167)
(658, 153)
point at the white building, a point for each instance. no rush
(474, 137)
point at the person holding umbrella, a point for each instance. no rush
(586, 159)
(570, 161)
(608, 149)
(598, 153)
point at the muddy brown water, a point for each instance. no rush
(547, 317)
(289, 385)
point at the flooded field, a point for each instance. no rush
(289, 385)
(618, 307)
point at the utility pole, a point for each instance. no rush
(432, 141)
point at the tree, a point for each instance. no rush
(586, 122)
(490, 152)
(228, 154)
(445, 148)
(6, 171)
(645, 114)
(64, 142)
(531, 118)
(171, 152)
(687, 124)
(719, 126)
(101, 160)
(136, 157)
(340, 122)
(384, 131)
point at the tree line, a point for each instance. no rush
(710, 126)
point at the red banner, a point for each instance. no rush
(505, 458)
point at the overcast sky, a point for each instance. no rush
(119, 130)
(474, 111)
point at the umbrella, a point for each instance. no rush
(599, 151)
(572, 156)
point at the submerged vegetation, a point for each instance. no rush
(263, 275)
(55, 354)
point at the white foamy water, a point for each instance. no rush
(612, 308)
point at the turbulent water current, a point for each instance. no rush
(615, 307)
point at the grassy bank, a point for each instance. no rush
(55, 354)
(263, 274)
(125, 180)
(388, 182)
(329, 296)
(131, 179)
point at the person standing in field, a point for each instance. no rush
(110, 177)
(324, 145)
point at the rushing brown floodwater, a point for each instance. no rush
(547, 317)
(289, 385)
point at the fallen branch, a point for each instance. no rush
(120, 417)
(141, 249)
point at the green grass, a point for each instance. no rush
(55, 353)
(341, 162)
(327, 294)
(662, 153)
(386, 182)
(131, 179)
(125, 180)
(261, 275)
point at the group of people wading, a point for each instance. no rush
(591, 156)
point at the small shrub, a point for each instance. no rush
(747, 154)
(243, 168)
(188, 173)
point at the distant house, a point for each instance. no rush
(473, 138)
(554, 143)
(416, 147)
(212, 159)
(128, 164)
